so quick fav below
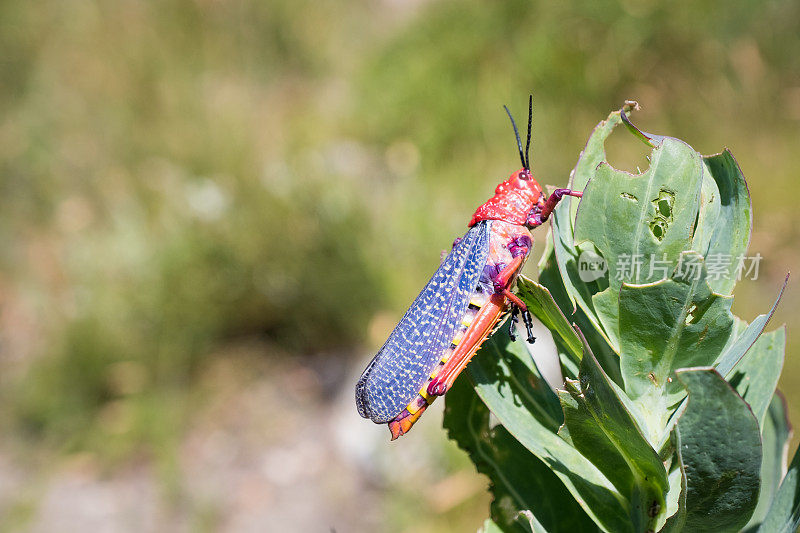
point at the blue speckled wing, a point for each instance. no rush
(414, 348)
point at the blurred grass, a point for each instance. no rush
(161, 196)
(177, 175)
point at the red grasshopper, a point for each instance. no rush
(463, 303)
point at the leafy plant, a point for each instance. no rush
(669, 418)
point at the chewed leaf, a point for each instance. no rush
(637, 239)
(670, 324)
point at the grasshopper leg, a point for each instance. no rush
(528, 320)
(512, 322)
(478, 331)
(516, 303)
(542, 212)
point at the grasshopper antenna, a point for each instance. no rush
(519, 142)
(527, 163)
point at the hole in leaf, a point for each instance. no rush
(626, 152)
(664, 203)
(690, 315)
(658, 228)
(664, 208)
(629, 196)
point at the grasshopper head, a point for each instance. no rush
(513, 200)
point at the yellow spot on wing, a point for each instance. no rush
(458, 338)
(424, 393)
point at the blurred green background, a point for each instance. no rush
(213, 211)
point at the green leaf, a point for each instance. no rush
(634, 220)
(490, 527)
(775, 435)
(530, 524)
(719, 447)
(606, 432)
(520, 481)
(650, 214)
(516, 364)
(783, 515)
(736, 350)
(550, 278)
(756, 376)
(542, 305)
(509, 385)
(666, 325)
(675, 511)
(709, 212)
(604, 353)
(725, 220)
